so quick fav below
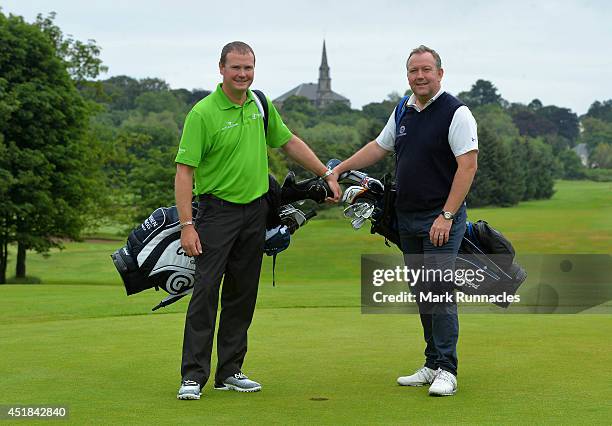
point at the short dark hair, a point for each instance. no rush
(424, 49)
(236, 46)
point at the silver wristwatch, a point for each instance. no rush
(447, 215)
(327, 173)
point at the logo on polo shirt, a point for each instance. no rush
(402, 131)
(229, 125)
(255, 116)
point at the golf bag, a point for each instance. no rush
(483, 248)
(486, 249)
(153, 256)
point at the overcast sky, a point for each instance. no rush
(557, 51)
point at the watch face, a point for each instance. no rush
(448, 215)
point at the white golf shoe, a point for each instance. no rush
(189, 390)
(444, 384)
(423, 376)
(240, 383)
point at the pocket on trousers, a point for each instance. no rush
(201, 207)
(205, 212)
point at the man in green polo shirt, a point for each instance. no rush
(224, 148)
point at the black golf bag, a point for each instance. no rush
(153, 256)
(483, 248)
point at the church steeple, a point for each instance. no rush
(324, 78)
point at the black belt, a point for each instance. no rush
(210, 197)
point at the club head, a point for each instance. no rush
(351, 193)
(349, 212)
(359, 210)
(290, 214)
(289, 179)
(332, 163)
(353, 176)
(358, 222)
(367, 210)
(375, 185)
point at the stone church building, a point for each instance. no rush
(319, 94)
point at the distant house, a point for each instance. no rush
(582, 152)
(319, 94)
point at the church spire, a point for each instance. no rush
(324, 57)
(324, 78)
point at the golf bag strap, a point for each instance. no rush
(262, 105)
(400, 110)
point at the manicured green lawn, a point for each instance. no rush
(78, 340)
(575, 220)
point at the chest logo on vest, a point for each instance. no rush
(229, 125)
(255, 116)
(402, 131)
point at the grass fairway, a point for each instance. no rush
(77, 340)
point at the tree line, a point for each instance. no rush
(76, 151)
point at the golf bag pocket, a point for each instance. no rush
(153, 257)
(385, 219)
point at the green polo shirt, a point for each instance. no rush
(226, 144)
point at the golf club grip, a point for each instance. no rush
(294, 225)
(310, 214)
(328, 190)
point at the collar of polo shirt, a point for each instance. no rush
(223, 102)
(412, 100)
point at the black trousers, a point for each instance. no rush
(232, 237)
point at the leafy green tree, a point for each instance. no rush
(493, 184)
(298, 112)
(529, 122)
(161, 127)
(564, 120)
(380, 111)
(81, 59)
(338, 113)
(159, 102)
(336, 108)
(277, 164)
(535, 104)
(602, 156)
(483, 92)
(190, 97)
(496, 120)
(558, 127)
(120, 92)
(328, 140)
(595, 132)
(53, 168)
(572, 167)
(538, 161)
(5, 174)
(151, 181)
(151, 146)
(601, 110)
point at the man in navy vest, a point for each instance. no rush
(434, 137)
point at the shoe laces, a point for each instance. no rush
(240, 376)
(190, 383)
(424, 371)
(444, 375)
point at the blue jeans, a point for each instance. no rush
(439, 320)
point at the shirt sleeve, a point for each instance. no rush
(462, 133)
(386, 139)
(278, 133)
(193, 140)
